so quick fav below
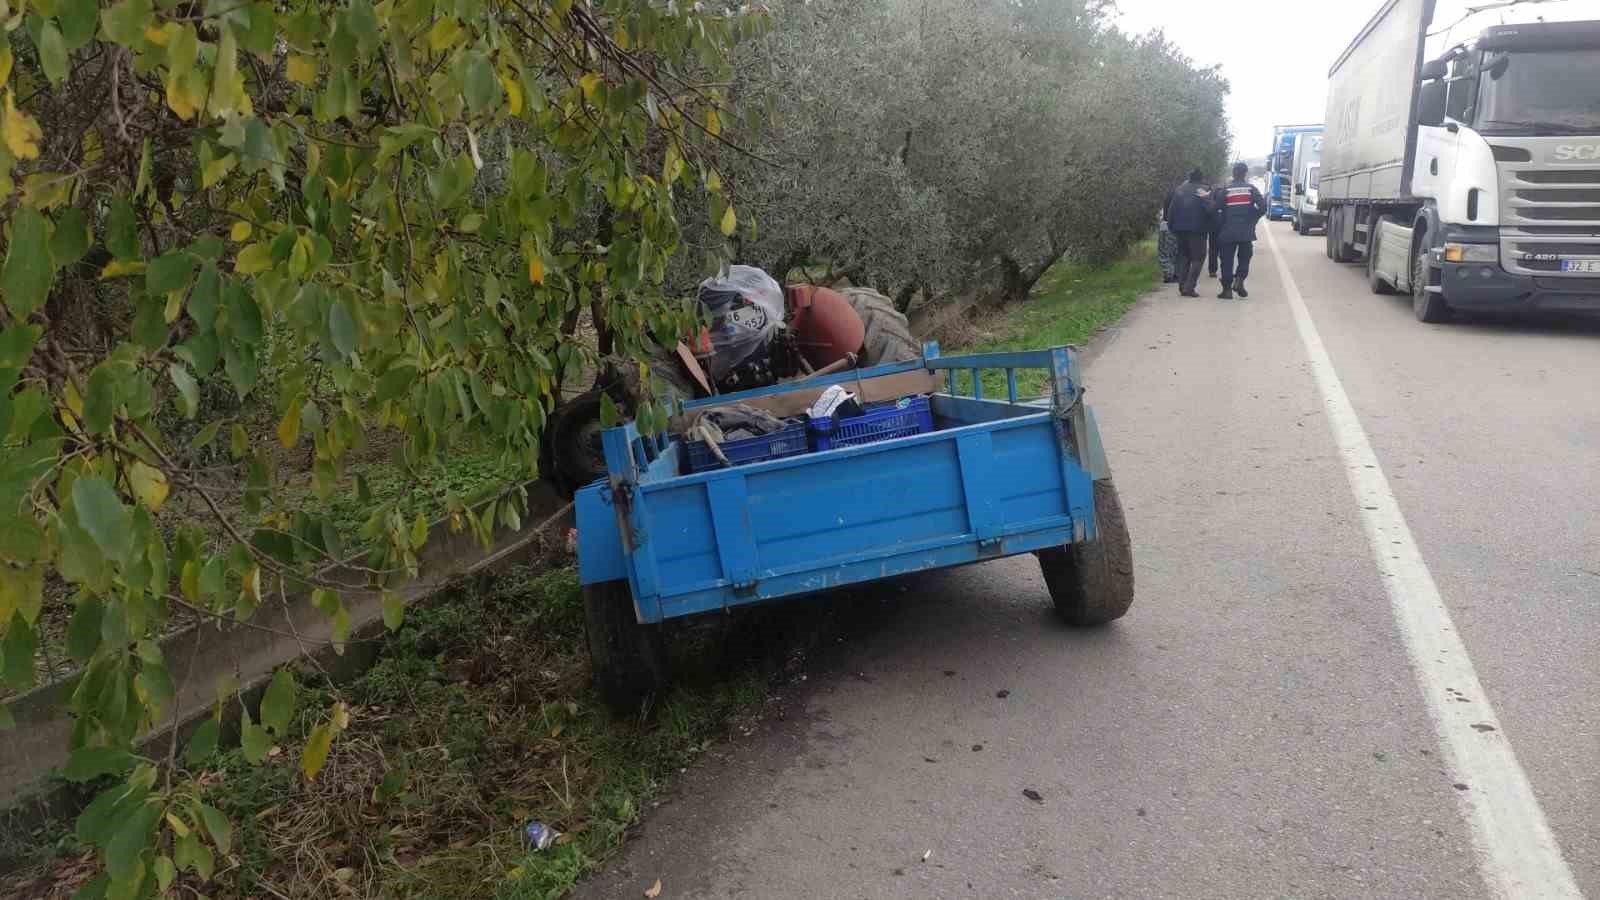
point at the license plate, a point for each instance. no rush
(1581, 265)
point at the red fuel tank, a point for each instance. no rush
(823, 323)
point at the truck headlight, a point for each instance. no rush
(1472, 253)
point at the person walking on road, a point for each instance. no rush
(1189, 216)
(1238, 207)
(1167, 242)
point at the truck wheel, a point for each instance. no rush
(629, 660)
(1299, 226)
(1342, 252)
(888, 338)
(1429, 307)
(1092, 582)
(1374, 247)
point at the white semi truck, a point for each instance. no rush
(1461, 162)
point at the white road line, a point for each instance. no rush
(1517, 853)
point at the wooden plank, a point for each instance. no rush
(796, 402)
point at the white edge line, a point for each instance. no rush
(1517, 852)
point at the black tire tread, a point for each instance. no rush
(1092, 582)
(888, 335)
(1429, 308)
(628, 660)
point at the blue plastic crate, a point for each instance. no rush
(881, 422)
(791, 441)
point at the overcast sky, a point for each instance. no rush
(1276, 53)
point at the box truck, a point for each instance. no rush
(1280, 168)
(1303, 211)
(1467, 173)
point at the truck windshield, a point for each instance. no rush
(1549, 92)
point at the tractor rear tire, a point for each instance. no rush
(629, 660)
(888, 334)
(1092, 582)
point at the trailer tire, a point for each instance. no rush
(1092, 582)
(1374, 246)
(1342, 252)
(1428, 307)
(888, 335)
(629, 660)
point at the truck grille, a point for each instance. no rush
(1548, 213)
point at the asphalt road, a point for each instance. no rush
(1254, 727)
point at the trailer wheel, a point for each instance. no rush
(1092, 582)
(1374, 247)
(1328, 225)
(888, 335)
(629, 660)
(1429, 307)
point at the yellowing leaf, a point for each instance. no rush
(5, 62)
(318, 745)
(535, 269)
(22, 134)
(160, 36)
(255, 258)
(240, 231)
(713, 123)
(590, 83)
(302, 69)
(149, 484)
(443, 34)
(185, 93)
(118, 268)
(513, 93)
(729, 221)
(216, 169)
(289, 428)
(713, 181)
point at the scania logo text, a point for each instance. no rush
(1577, 151)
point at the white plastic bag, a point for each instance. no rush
(746, 308)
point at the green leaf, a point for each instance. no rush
(218, 827)
(395, 382)
(89, 763)
(98, 822)
(239, 361)
(419, 530)
(206, 436)
(17, 649)
(394, 610)
(188, 399)
(244, 316)
(609, 415)
(479, 84)
(150, 323)
(318, 745)
(169, 273)
(165, 872)
(83, 632)
(341, 327)
(277, 705)
(103, 516)
(71, 239)
(52, 52)
(255, 742)
(125, 22)
(100, 401)
(122, 230)
(27, 271)
(16, 345)
(203, 743)
(203, 299)
(189, 853)
(131, 840)
(78, 21)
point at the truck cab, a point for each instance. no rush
(1303, 211)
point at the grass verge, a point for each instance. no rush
(476, 719)
(1070, 303)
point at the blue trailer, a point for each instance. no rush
(995, 478)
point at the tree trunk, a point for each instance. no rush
(1017, 282)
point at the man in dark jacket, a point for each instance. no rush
(1238, 207)
(1189, 216)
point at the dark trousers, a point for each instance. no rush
(1228, 250)
(1211, 253)
(1191, 256)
